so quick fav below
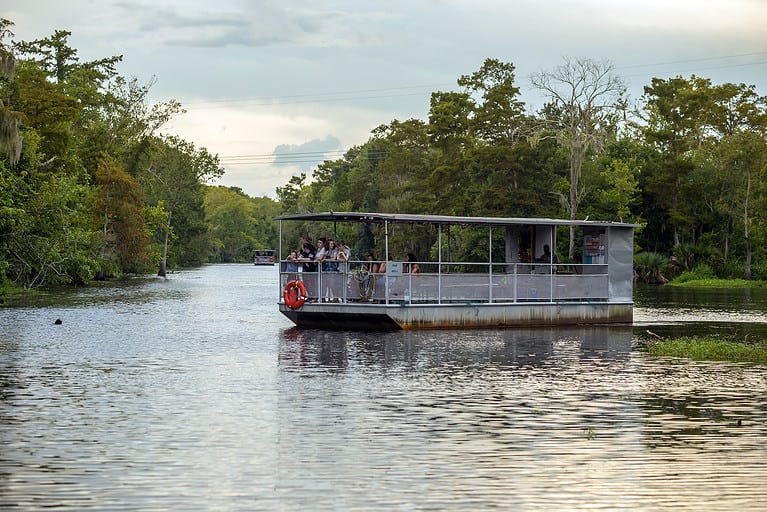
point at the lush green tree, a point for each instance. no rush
(450, 136)
(174, 171)
(502, 178)
(405, 165)
(59, 60)
(10, 140)
(119, 205)
(122, 122)
(289, 194)
(675, 114)
(740, 122)
(47, 110)
(238, 224)
(614, 193)
(498, 117)
(742, 157)
(46, 230)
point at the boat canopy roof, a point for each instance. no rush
(410, 218)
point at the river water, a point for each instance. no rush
(194, 393)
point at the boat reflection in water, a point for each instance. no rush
(528, 419)
(304, 349)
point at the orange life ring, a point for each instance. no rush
(294, 294)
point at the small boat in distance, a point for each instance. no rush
(514, 279)
(263, 256)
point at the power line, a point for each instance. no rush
(704, 59)
(395, 92)
(317, 97)
(291, 158)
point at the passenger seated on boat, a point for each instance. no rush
(381, 276)
(372, 266)
(412, 268)
(382, 266)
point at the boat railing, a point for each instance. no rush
(455, 282)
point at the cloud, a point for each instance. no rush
(274, 23)
(307, 155)
(262, 146)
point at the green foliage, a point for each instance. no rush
(50, 240)
(710, 348)
(701, 272)
(732, 269)
(238, 224)
(649, 267)
(118, 203)
(94, 187)
(174, 171)
(688, 257)
(156, 227)
(290, 193)
(92, 184)
(620, 192)
(715, 282)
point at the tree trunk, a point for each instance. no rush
(164, 262)
(577, 155)
(747, 272)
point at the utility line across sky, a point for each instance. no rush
(392, 92)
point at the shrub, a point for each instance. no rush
(734, 269)
(650, 266)
(699, 273)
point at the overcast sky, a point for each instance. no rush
(310, 79)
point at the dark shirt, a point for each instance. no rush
(308, 253)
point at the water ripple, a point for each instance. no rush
(194, 394)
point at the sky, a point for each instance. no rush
(273, 87)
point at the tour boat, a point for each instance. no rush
(512, 287)
(263, 256)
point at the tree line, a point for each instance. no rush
(89, 186)
(687, 163)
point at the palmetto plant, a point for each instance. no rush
(650, 266)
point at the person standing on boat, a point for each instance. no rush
(548, 257)
(382, 268)
(381, 279)
(330, 259)
(307, 257)
(291, 264)
(330, 279)
(321, 251)
(309, 269)
(344, 255)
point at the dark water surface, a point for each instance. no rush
(193, 393)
